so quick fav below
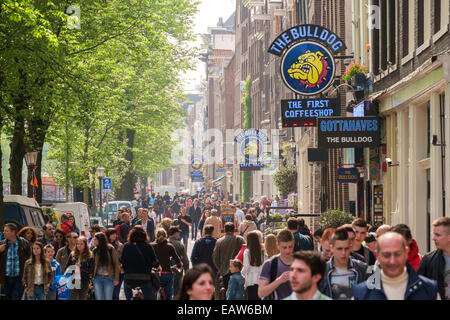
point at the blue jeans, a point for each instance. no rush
(103, 287)
(147, 290)
(13, 288)
(166, 280)
(195, 228)
(38, 293)
(116, 292)
(185, 238)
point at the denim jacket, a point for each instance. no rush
(236, 287)
(355, 266)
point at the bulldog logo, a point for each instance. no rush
(251, 149)
(311, 68)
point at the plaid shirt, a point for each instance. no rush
(12, 260)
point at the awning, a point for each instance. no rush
(218, 179)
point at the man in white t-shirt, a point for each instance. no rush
(151, 213)
(240, 215)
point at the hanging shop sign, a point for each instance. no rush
(196, 162)
(307, 58)
(221, 167)
(347, 175)
(251, 146)
(378, 205)
(197, 176)
(348, 132)
(304, 112)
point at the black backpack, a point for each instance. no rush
(273, 275)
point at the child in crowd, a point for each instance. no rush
(236, 285)
(49, 252)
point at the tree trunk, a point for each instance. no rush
(17, 146)
(126, 189)
(94, 196)
(2, 215)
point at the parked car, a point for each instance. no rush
(98, 220)
(80, 212)
(24, 212)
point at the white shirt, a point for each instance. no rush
(152, 215)
(38, 277)
(240, 215)
(251, 273)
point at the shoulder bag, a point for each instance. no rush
(134, 280)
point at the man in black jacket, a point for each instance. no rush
(148, 224)
(195, 212)
(436, 264)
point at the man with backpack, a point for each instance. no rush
(227, 247)
(274, 276)
(66, 224)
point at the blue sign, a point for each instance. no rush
(346, 132)
(197, 179)
(347, 175)
(254, 166)
(307, 32)
(196, 174)
(303, 112)
(196, 162)
(251, 148)
(107, 184)
(308, 68)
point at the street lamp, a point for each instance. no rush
(100, 171)
(31, 160)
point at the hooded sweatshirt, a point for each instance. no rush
(414, 257)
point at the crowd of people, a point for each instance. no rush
(147, 255)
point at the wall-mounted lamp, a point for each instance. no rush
(435, 140)
(390, 164)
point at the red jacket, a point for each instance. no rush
(67, 227)
(414, 257)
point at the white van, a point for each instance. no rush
(113, 207)
(80, 212)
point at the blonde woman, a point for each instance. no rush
(166, 223)
(270, 245)
(83, 259)
(165, 252)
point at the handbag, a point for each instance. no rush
(134, 280)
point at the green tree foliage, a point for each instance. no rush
(334, 219)
(105, 94)
(247, 101)
(286, 180)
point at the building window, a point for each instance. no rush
(420, 22)
(437, 15)
(405, 27)
(376, 45)
(428, 130)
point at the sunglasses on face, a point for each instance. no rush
(59, 237)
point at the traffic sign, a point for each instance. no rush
(107, 184)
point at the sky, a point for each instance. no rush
(209, 13)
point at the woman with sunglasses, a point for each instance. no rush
(60, 240)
